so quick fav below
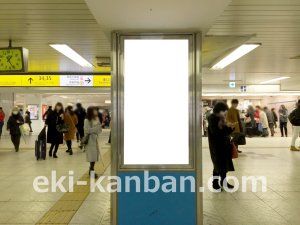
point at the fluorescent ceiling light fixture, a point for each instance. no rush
(228, 95)
(63, 96)
(211, 94)
(272, 80)
(244, 94)
(107, 101)
(70, 53)
(233, 56)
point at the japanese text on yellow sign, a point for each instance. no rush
(46, 80)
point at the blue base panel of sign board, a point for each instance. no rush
(158, 208)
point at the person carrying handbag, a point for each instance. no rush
(220, 145)
(71, 120)
(54, 137)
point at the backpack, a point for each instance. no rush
(294, 117)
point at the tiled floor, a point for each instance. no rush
(19, 202)
(269, 157)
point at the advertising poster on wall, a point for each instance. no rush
(33, 109)
(44, 110)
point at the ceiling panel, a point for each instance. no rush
(34, 24)
(276, 24)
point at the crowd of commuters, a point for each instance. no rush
(225, 129)
(80, 123)
(77, 123)
(258, 121)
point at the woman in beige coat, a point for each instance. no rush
(72, 121)
(92, 128)
(263, 119)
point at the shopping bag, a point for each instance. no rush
(260, 127)
(26, 127)
(234, 153)
(22, 131)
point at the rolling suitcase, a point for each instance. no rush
(40, 149)
(41, 145)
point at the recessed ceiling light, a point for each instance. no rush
(228, 94)
(211, 94)
(244, 94)
(107, 101)
(70, 53)
(233, 56)
(272, 80)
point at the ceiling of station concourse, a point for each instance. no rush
(34, 24)
(273, 23)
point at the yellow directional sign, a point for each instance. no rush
(102, 81)
(48, 80)
(10, 81)
(40, 80)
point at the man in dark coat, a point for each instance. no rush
(219, 144)
(271, 120)
(13, 124)
(80, 113)
(252, 124)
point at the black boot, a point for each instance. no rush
(215, 183)
(71, 152)
(50, 153)
(224, 182)
(54, 154)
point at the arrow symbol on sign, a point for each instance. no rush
(88, 80)
(30, 80)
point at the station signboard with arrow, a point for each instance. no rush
(76, 80)
(40, 80)
(55, 80)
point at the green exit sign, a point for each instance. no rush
(232, 84)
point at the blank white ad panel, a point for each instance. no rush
(156, 101)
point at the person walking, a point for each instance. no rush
(219, 144)
(13, 123)
(296, 125)
(92, 128)
(72, 121)
(81, 114)
(264, 121)
(100, 116)
(252, 123)
(46, 113)
(21, 112)
(271, 120)
(283, 118)
(28, 120)
(275, 117)
(55, 138)
(233, 116)
(2, 116)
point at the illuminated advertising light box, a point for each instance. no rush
(33, 109)
(156, 101)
